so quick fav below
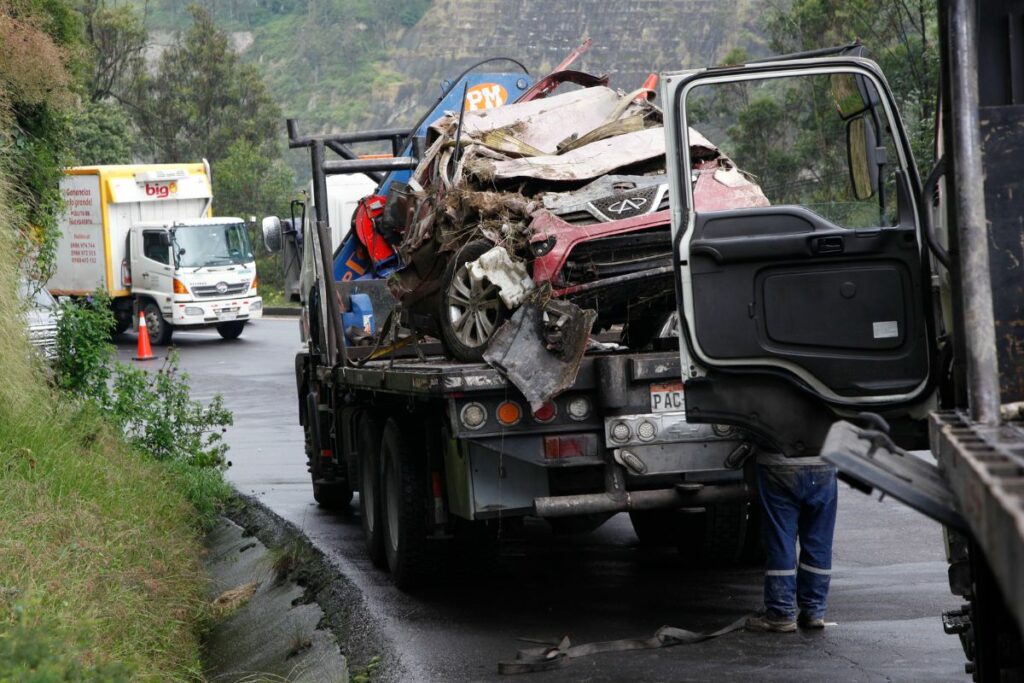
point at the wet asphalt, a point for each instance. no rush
(889, 576)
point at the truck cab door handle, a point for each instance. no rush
(832, 244)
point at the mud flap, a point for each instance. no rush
(870, 458)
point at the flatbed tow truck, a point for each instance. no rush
(448, 455)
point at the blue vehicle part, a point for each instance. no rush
(484, 90)
(359, 315)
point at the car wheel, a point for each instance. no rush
(159, 329)
(471, 311)
(231, 330)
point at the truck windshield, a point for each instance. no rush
(198, 246)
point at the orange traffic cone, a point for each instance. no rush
(145, 351)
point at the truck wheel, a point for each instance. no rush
(655, 528)
(331, 496)
(409, 553)
(717, 537)
(470, 311)
(232, 329)
(159, 329)
(368, 442)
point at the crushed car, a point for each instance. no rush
(563, 198)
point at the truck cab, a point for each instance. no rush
(200, 272)
(818, 306)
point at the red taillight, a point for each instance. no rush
(569, 446)
(546, 413)
(326, 453)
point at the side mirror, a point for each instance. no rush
(165, 239)
(862, 155)
(272, 233)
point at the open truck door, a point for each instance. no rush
(815, 304)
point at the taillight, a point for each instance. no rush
(579, 408)
(546, 413)
(569, 446)
(179, 287)
(509, 413)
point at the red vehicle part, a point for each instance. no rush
(368, 210)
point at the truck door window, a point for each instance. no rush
(808, 140)
(153, 249)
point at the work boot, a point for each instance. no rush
(770, 623)
(805, 620)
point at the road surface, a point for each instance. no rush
(888, 588)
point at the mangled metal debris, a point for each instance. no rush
(571, 192)
(540, 348)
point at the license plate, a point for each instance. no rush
(667, 398)
(227, 315)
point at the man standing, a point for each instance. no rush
(798, 502)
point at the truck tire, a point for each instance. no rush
(469, 312)
(368, 443)
(231, 330)
(159, 329)
(410, 555)
(656, 528)
(716, 538)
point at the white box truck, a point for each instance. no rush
(145, 234)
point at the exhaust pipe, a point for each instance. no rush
(682, 496)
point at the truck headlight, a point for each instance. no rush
(256, 306)
(193, 310)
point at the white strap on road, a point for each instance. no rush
(815, 570)
(554, 657)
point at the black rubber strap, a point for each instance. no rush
(536, 659)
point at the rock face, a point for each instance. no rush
(631, 39)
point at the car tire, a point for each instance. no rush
(469, 312)
(231, 330)
(160, 330)
(368, 443)
(410, 555)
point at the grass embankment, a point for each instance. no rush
(99, 546)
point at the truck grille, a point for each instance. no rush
(217, 290)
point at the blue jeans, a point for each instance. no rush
(799, 502)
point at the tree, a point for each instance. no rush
(899, 34)
(101, 133)
(117, 38)
(40, 59)
(203, 98)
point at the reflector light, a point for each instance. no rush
(620, 431)
(326, 453)
(722, 430)
(473, 416)
(579, 408)
(179, 287)
(646, 430)
(546, 413)
(509, 413)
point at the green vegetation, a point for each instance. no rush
(99, 545)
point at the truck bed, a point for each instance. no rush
(437, 375)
